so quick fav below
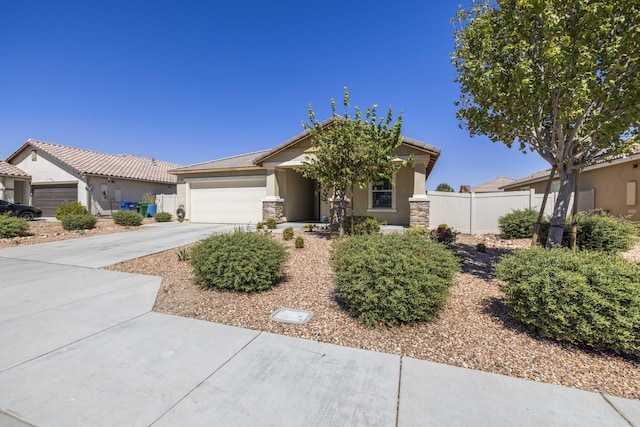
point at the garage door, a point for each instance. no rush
(237, 201)
(49, 197)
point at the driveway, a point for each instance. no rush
(81, 346)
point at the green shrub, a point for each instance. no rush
(183, 254)
(443, 234)
(587, 298)
(420, 231)
(518, 224)
(362, 225)
(481, 247)
(70, 208)
(597, 231)
(162, 217)
(12, 227)
(299, 242)
(259, 226)
(248, 262)
(271, 223)
(393, 278)
(127, 218)
(287, 233)
(78, 222)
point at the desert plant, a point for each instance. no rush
(299, 242)
(259, 225)
(127, 218)
(394, 278)
(587, 298)
(443, 234)
(481, 247)
(183, 254)
(309, 227)
(518, 224)
(78, 222)
(287, 233)
(12, 227)
(70, 208)
(248, 262)
(362, 225)
(271, 223)
(162, 217)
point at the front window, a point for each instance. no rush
(382, 195)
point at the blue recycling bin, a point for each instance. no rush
(128, 206)
(152, 209)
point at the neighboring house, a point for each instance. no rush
(493, 186)
(614, 183)
(99, 181)
(254, 187)
(14, 183)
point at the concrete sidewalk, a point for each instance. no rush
(81, 347)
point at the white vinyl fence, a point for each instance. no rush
(167, 203)
(478, 213)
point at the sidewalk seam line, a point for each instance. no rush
(615, 408)
(206, 379)
(399, 387)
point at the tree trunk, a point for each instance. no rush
(561, 208)
(574, 215)
(547, 190)
(340, 210)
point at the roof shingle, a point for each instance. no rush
(7, 169)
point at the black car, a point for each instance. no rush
(22, 211)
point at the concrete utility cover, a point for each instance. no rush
(290, 315)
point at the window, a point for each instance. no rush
(382, 195)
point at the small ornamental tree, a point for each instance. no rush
(351, 150)
(445, 187)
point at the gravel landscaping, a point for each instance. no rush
(474, 330)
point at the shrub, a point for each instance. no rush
(443, 234)
(259, 226)
(362, 225)
(287, 233)
(420, 231)
(271, 223)
(597, 231)
(248, 262)
(12, 227)
(394, 278)
(309, 227)
(588, 298)
(163, 217)
(70, 208)
(518, 224)
(183, 254)
(481, 247)
(78, 222)
(127, 218)
(299, 242)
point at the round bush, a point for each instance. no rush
(362, 225)
(70, 208)
(443, 234)
(12, 227)
(127, 218)
(588, 298)
(78, 222)
(393, 278)
(247, 262)
(518, 224)
(287, 233)
(299, 242)
(162, 217)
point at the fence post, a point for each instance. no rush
(472, 208)
(532, 198)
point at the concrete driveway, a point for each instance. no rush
(80, 346)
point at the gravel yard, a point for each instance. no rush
(473, 331)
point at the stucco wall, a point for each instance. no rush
(299, 197)
(129, 190)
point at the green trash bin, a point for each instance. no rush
(142, 209)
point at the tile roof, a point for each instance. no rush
(7, 169)
(89, 162)
(492, 186)
(242, 161)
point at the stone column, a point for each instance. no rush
(418, 212)
(272, 205)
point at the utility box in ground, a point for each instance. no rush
(142, 209)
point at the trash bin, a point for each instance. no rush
(142, 209)
(128, 206)
(152, 209)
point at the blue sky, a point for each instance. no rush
(192, 81)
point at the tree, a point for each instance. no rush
(351, 151)
(559, 77)
(445, 187)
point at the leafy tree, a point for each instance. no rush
(445, 187)
(559, 77)
(351, 150)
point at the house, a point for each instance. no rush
(613, 182)
(13, 182)
(493, 185)
(256, 186)
(100, 181)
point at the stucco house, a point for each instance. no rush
(13, 181)
(100, 181)
(265, 184)
(613, 181)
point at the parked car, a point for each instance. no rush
(22, 211)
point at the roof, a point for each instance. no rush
(242, 161)
(7, 169)
(89, 162)
(493, 185)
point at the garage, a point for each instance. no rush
(235, 200)
(49, 197)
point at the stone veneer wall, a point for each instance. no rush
(273, 209)
(419, 213)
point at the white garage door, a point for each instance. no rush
(237, 201)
